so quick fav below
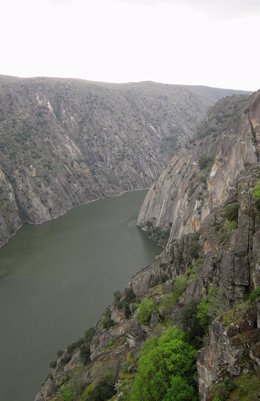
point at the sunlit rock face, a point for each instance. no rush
(201, 175)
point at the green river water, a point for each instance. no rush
(55, 281)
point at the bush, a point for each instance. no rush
(194, 247)
(159, 235)
(212, 306)
(205, 162)
(231, 211)
(256, 194)
(256, 191)
(72, 347)
(123, 301)
(107, 322)
(254, 294)
(67, 393)
(117, 298)
(224, 389)
(180, 390)
(145, 310)
(179, 286)
(167, 302)
(85, 346)
(165, 362)
(103, 390)
(203, 313)
(230, 225)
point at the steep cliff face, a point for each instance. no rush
(215, 270)
(234, 352)
(201, 175)
(206, 282)
(65, 142)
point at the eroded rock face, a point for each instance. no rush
(199, 178)
(66, 142)
(234, 348)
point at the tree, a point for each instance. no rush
(163, 358)
(180, 390)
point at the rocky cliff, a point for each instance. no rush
(206, 281)
(65, 142)
(201, 175)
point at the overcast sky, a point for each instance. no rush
(201, 42)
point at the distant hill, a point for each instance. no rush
(65, 141)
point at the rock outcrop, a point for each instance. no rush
(65, 142)
(201, 176)
(234, 348)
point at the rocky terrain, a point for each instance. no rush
(206, 282)
(202, 174)
(65, 142)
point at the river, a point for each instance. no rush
(56, 280)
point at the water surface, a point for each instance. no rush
(56, 280)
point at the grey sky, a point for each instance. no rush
(212, 43)
(224, 8)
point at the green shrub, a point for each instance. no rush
(107, 322)
(67, 393)
(197, 265)
(194, 247)
(231, 211)
(197, 316)
(254, 294)
(167, 301)
(247, 387)
(103, 390)
(123, 301)
(230, 225)
(145, 310)
(179, 286)
(223, 389)
(205, 162)
(203, 313)
(165, 362)
(180, 390)
(256, 194)
(72, 347)
(213, 305)
(162, 278)
(159, 235)
(85, 346)
(256, 191)
(117, 297)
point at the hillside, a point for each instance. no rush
(64, 142)
(187, 327)
(202, 174)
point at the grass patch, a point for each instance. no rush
(247, 388)
(234, 314)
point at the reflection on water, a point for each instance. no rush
(56, 280)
